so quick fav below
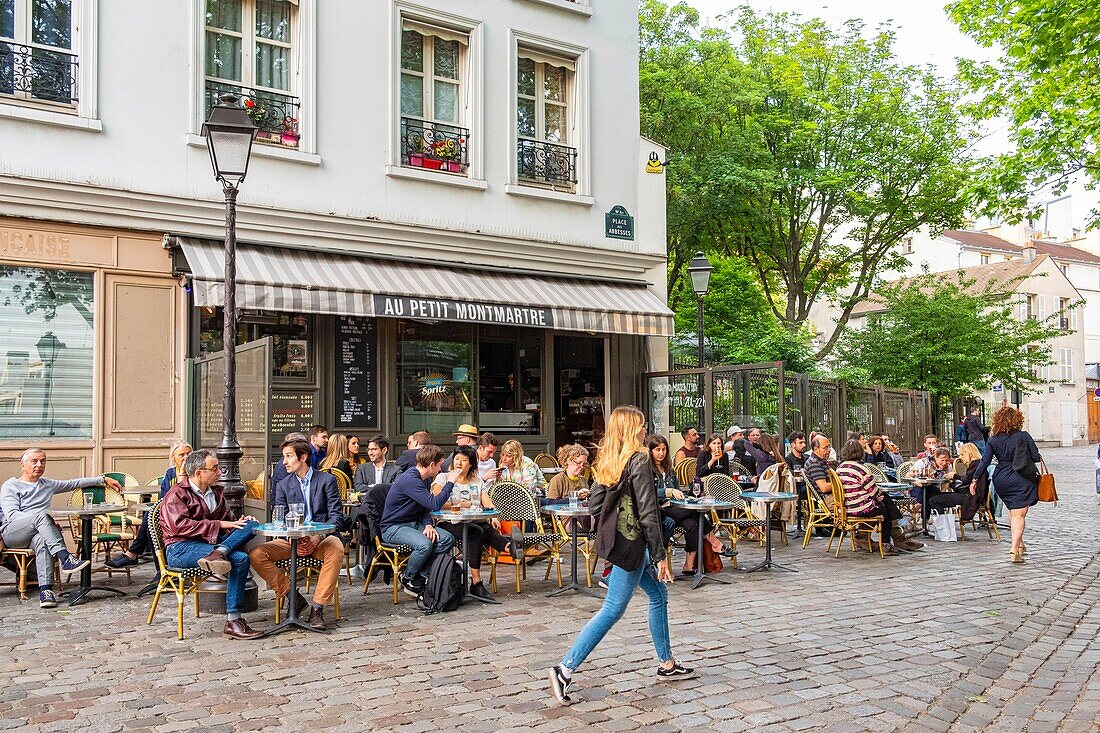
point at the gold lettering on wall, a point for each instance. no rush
(34, 246)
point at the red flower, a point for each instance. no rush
(249, 103)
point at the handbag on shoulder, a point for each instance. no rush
(1047, 492)
(619, 537)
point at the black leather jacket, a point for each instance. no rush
(639, 474)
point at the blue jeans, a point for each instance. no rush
(621, 585)
(412, 535)
(186, 554)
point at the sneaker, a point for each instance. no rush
(72, 563)
(478, 590)
(414, 587)
(121, 561)
(911, 545)
(676, 672)
(559, 684)
(604, 576)
(47, 599)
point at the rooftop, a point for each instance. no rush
(984, 241)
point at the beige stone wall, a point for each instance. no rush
(139, 347)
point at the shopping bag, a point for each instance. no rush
(1047, 491)
(943, 526)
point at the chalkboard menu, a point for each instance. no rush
(291, 412)
(356, 372)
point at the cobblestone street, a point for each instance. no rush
(951, 638)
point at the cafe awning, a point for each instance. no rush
(306, 281)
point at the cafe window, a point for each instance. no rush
(450, 373)
(290, 338)
(46, 358)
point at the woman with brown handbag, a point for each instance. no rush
(1015, 477)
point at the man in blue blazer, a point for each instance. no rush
(320, 497)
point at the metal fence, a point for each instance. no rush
(750, 395)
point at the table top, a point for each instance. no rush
(144, 506)
(564, 510)
(465, 515)
(91, 511)
(769, 497)
(892, 486)
(705, 504)
(306, 530)
(551, 471)
(139, 490)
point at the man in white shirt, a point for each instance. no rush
(487, 468)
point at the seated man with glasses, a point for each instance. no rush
(407, 516)
(201, 531)
(319, 495)
(26, 523)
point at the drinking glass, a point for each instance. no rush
(574, 500)
(300, 512)
(278, 516)
(89, 500)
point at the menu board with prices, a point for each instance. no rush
(291, 412)
(356, 380)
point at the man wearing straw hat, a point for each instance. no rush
(465, 435)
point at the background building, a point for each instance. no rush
(447, 219)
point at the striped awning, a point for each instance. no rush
(304, 281)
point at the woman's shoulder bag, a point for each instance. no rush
(1047, 492)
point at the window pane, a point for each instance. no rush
(7, 19)
(223, 56)
(412, 51)
(555, 124)
(412, 95)
(446, 102)
(273, 20)
(272, 66)
(435, 374)
(51, 23)
(553, 87)
(224, 14)
(46, 356)
(446, 58)
(526, 77)
(525, 122)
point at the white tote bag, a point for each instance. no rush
(943, 526)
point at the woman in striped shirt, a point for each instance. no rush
(862, 497)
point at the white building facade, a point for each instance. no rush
(447, 219)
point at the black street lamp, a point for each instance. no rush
(699, 270)
(49, 346)
(229, 134)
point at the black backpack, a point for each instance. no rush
(444, 589)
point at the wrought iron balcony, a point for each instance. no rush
(433, 145)
(546, 163)
(275, 114)
(37, 73)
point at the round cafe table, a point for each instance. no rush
(565, 511)
(79, 595)
(704, 505)
(768, 498)
(465, 517)
(925, 508)
(140, 493)
(280, 531)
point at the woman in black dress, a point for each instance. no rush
(1017, 491)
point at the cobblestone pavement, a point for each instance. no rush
(953, 638)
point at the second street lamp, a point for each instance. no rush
(699, 270)
(229, 134)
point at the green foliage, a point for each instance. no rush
(947, 334)
(808, 152)
(1046, 84)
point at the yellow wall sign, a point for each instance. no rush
(654, 164)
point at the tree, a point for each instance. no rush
(810, 153)
(1046, 84)
(947, 334)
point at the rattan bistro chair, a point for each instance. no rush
(904, 469)
(818, 513)
(21, 559)
(514, 503)
(847, 523)
(875, 471)
(586, 547)
(738, 469)
(732, 522)
(545, 460)
(351, 546)
(685, 471)
(181, 581)
(382, 555)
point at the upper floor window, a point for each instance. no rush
(1066, 365)
(546, 150)
(433, 99)
(251, 52)
(984, 258)
(38, 60)
(907, 246)
(1033, 306)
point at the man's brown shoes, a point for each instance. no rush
(240, 629)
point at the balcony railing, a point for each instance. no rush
(275, 114)
(37, 73)
(548, 164)
(433, 145)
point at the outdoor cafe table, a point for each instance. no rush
(925, 508)
(465, 517)
(281, 531)
(702, 505)
(78, 596)
(769, 498)
(141, 493)
(565, 511)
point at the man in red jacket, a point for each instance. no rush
(201, 531)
